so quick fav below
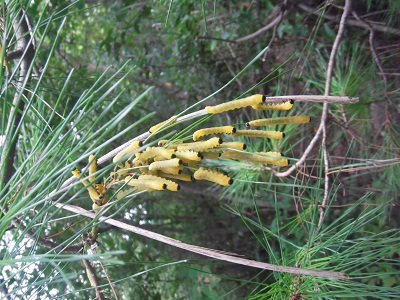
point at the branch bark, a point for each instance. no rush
(352, 22)
(200, 250)
(324, 117)
(24, 46)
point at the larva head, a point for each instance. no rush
(76, 172)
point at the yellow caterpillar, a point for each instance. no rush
(233, 145)
(170, 185)
(92, 168)
(281, 120)
(235, 104)
(213, 130)
(163, 124)
(211, 155)
(128, 150)
(200, 146)
(188, 155)
(171, 170)
(183, 177)
(272, 158)
(155, 151)
(162, 143)
(148, 185)
(260, 134)
(274, 106)
(213, 176)
(157, 165)
(161, 151)
(93, 194)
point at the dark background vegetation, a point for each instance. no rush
(187, 50)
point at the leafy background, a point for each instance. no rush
(98, 61)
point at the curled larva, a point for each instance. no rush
(213, 176)
(281, 120)
(235, 104)
(189, 155)
(93, 194)
(128, 150)
(273, 158)
(145, 155)
(200, 146)
(274, 106)
(260, 133)
(213, 130)
(144, 184)
(157, 165)
(163, 124)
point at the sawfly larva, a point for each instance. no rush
(235, 104)
(281, 120)
(260, 133)
(213, 176)
(213, 130)
(274, 106)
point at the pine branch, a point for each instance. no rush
(200, 250)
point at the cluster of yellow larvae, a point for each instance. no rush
(164, 166)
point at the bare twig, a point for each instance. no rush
(312, 98)
(94, 282)
(372, 46)
(272, 24)
(106, 274)
(351, 22)
(200, 250)
(324, 116)
(356, 169)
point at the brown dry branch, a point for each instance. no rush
(94, 282)
(376, 164)
(106, 274)
(200, 250)
(324, 116)
(372, 46)
(352, 22)
(276, 16)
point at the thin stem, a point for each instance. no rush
(200, 250)
(324, 116)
